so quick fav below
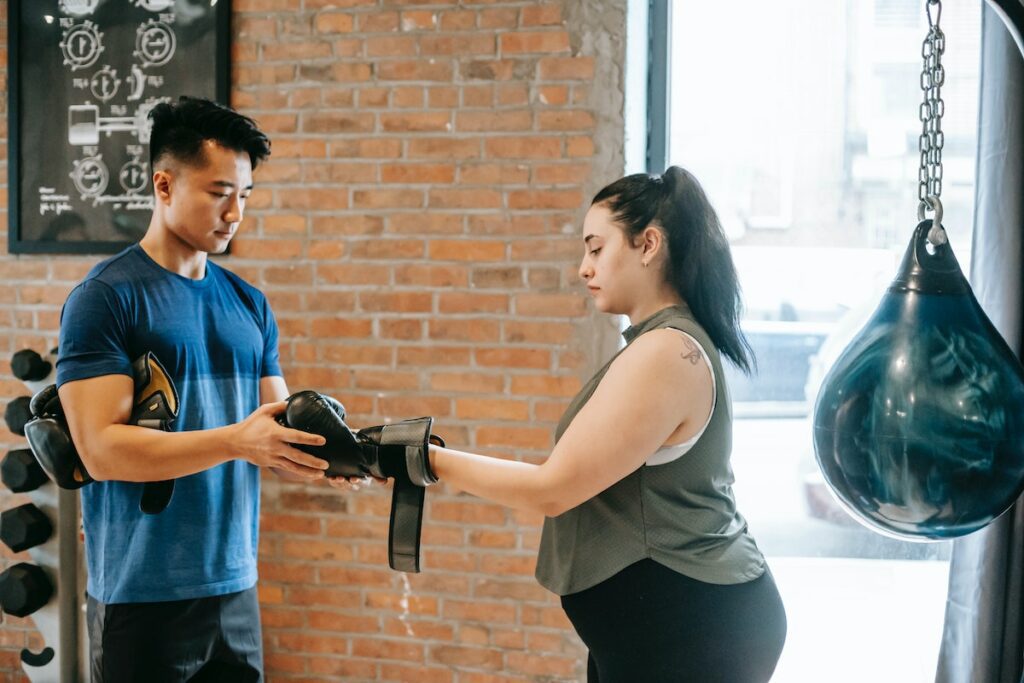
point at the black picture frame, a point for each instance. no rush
(81, 76)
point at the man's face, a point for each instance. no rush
(205, 204)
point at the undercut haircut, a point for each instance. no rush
(180, 129)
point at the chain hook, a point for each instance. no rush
(938, 13)
(937, 234)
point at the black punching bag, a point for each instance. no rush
(919, 427)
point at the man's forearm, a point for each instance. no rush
(128, 453)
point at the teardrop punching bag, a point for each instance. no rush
(919, 426)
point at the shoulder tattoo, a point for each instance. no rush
(692, 353)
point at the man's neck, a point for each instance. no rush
(161, 245)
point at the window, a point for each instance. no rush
(800, 119)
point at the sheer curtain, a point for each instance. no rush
(982, 637)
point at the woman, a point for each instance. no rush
(642, 538)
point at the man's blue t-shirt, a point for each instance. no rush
(216, 337)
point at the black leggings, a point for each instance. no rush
(650, 624)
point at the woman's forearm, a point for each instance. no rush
(518, 485)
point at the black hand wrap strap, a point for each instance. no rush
(408, 496)
(156, 406)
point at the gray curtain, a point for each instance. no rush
(982, 637)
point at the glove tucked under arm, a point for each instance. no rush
(155, 406)
(50, 441)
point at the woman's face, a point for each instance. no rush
(611, 266)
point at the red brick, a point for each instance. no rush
(469, 330)
(453, 655)
(499, 18)
(464, 199)
(414, 71)
(504, 120)
(418, 20)
(465, 44)
(458, 302)
(566, 68)
(491, 409)
(523, 147)
(534, 42)
(467, 382)
(466, 250)
(333, 22)
(418, 122)
(390, 46)
(444, 148)
(542, 15)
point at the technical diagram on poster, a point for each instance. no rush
(90, 73)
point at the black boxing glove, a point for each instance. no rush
(313, 412)
(50, 441)
(155, 406)
(399, 450)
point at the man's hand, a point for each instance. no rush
(261, 440)
(353, 483)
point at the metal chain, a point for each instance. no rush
(931, 110)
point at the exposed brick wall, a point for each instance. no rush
(416, 233)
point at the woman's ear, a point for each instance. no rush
(651, 244)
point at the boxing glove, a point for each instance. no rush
(155, 406)
(50, 441)
(399, 450)
(313, 412)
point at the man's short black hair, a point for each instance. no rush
(180, 129)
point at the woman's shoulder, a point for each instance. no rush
(665, 354)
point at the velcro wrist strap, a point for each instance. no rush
(407, 502)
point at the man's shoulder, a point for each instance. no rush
(236, 281)
(117, 269)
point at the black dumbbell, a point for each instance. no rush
(29, 366)
(24, 588)
(24, 527)
(17, 413)
(20, 471)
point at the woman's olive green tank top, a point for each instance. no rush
(681, 514)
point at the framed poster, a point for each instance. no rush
(82, 78)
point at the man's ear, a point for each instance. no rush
(162, 182)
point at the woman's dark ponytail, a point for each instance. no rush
(700, 265)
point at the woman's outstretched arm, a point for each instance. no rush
(651, 389)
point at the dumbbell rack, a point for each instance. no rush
(61, 620)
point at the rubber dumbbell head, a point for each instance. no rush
(17, 413)
(24, 527)
(20, 471)
(29, 366)
(24, 588)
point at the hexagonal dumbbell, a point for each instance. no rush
(24, 527)
(20, 471)
(17, 413)
(24, 588)
(29, 366)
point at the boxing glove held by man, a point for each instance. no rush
(155, 406)
(400, 451)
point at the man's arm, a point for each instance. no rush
(273, 389)
(98, 408)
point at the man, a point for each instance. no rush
(171, 596)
